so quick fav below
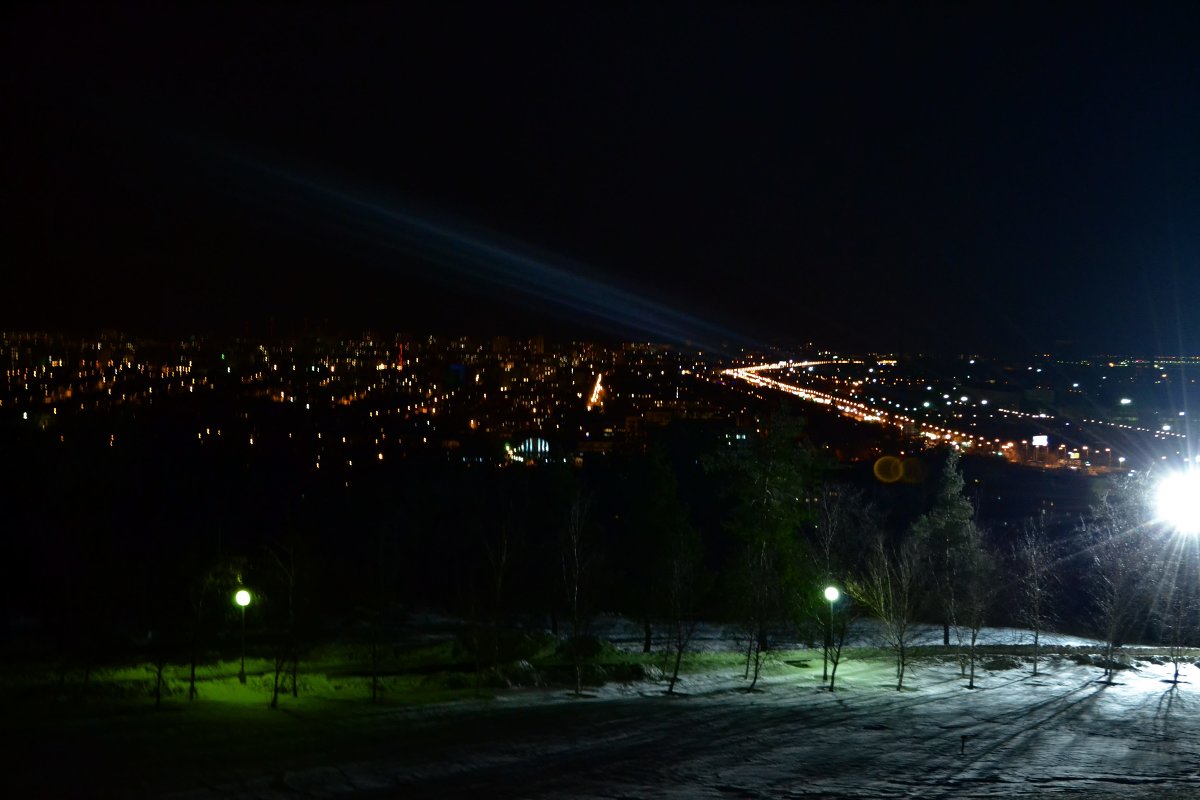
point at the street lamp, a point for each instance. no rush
(242, 598)
(831, 594)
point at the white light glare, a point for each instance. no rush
(1179, 501)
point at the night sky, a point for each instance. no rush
(898, 176)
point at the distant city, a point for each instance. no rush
(342, 405)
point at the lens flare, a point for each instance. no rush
(1178, 501)
(889, 469)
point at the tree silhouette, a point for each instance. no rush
(943, 534)
(579, 556)
(889, 589)
(1116, 552)
(1034, 561)
(768, 477)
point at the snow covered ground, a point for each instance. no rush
(1063, 733)
(629, 636)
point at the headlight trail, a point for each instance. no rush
(849, 407)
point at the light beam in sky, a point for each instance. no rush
(481, 261)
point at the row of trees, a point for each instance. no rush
(748, 533)
(798, 531)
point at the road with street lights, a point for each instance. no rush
(864, 391)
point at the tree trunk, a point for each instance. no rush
(836, 643)
(675, 672)
(158, 680)
(971, 680)
(646, 641)
(375, 669)
(1036, 642)
(192, 676)
(478, 647)
(758, 652)
(280, 660)
(946, 634)
(834, 657)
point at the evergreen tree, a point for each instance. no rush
(945, 535)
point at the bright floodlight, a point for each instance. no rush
(1179, 501)
(242, 598)
(832, 594)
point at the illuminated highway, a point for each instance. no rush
(955, 418)
(846, 405)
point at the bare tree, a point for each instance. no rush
(651, 514)
(770, 480)
(841, 615)
(199, 587)
(1178, 624)
(284, 558)
(888, 588)
(1034, 560)
(971, 596)
(762, 604)
(486, 584)
(1116, 551)
(377, 612)
(683, 589)
(843, 521)
(1177, 601)
(208, 579)
(578, 558)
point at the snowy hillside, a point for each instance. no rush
(1065, 732)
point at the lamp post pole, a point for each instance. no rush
(242, 598)
(831, 594)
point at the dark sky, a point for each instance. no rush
(961, 176)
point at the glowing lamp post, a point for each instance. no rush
(242, 598)
(831, 594)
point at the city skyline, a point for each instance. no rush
(488, 400)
